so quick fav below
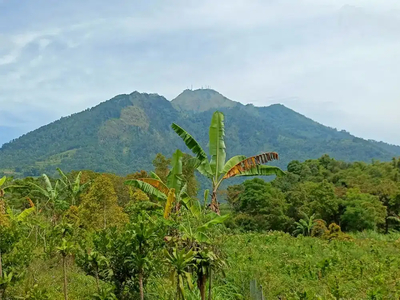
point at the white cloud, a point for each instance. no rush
(338, 59)
(8, 59)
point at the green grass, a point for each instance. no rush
(48, 274)
(288, 268)
(312, 268)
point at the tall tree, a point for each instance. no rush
(99, 208)
(217, 169)
(189, 175)
(161, 166)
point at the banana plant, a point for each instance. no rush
(217, 169)
(198, 240)
(173, 191)
(305, 225)
(74, 188)
(21, 217)
(206, 261)
(49, 192)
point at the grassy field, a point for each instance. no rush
(310, 268)
(367, 267)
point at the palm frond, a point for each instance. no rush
(232, 162)
(216, 145)
(158, 184)
(25, 214)
(147, 189)
(64, 178)
(39, 189)
(215, 221)
(155, 176)
(206, 194)
(78, 179)
(190, 142)
(183, 191)
(251, 165)
(174, 178)
(260, 170)
(47, 181)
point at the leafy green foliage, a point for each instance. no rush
(357, 196)
(125, 257)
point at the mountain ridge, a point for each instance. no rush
(123, 135)
(201, 100)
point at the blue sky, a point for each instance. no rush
(335, 61)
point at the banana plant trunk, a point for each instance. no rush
(210, 284)
(178, 295)
(214, 205)
(201, 284)
(97, 279)
(65, 277)
(141, 285)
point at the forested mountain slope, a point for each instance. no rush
(124, 134)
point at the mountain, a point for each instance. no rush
(202, 100)
(124, 134)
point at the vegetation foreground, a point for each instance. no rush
(367, 267)
(86, 235)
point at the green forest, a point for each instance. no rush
(321, 229)
(124, 134)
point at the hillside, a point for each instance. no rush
(125, 133)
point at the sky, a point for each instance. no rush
(337, 62)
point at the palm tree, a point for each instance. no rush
(174, 190)
(217, 169)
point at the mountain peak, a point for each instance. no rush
(201, 100)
